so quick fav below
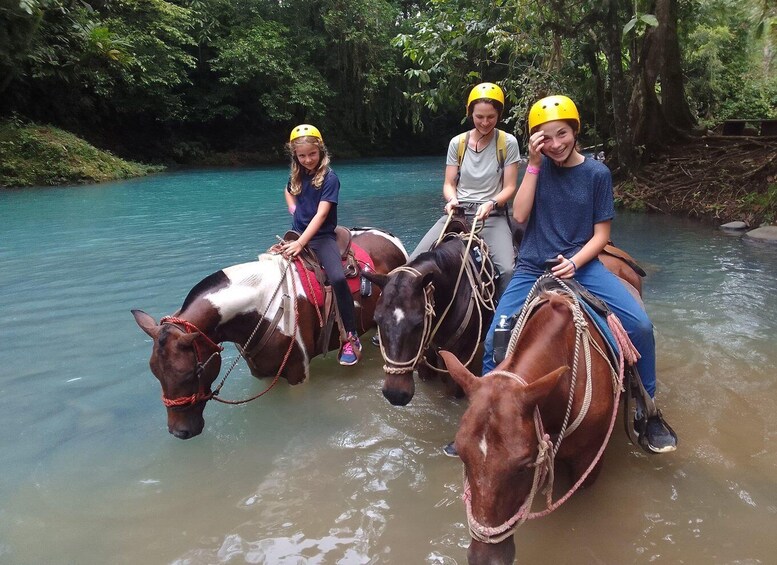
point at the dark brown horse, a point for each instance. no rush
(402, 312)
(442, 299)
(538, 410)
(262, 302)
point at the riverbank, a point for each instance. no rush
(713, 178)
(37, 155)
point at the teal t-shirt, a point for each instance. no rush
(567, 204)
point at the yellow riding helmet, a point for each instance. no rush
(487, 90)
(553, 108)
(304, 130)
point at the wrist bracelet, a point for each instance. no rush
(532, 170)
(494, 202)
(573, 264)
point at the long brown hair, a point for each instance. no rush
(296, 171)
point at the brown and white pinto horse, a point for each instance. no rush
(541, 408)
(265, 297)
(440, 300)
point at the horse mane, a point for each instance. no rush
(211, 282)
(444, 256)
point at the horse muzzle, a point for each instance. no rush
(399, 389)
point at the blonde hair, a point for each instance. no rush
(296, 171)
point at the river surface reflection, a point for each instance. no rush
(327, 471)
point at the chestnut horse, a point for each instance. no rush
(442, 299)
(402, 310)
(551, 401)
(262, 307)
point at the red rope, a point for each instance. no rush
(190, 329)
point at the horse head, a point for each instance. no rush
(186, 362)
(498, 443)
(403, 315)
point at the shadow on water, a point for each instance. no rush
(328, 472)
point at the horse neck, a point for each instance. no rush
(539, 349)
(204, 317)
(222, 304)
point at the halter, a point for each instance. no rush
(403, 367)
(190, 328)
(546, 449)
(393, 367)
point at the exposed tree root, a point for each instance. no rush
(713, 177)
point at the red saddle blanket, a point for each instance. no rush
(312, 287)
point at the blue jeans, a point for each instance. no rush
(601, 282)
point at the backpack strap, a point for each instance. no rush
(501, 149)
(462, 150)
(463, 141)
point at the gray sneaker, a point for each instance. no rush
(659, 436)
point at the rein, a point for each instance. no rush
(547, 450)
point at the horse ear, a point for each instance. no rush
(146, 323)
(186, 340)
(463, 377)
(536, 392)
(376, 278)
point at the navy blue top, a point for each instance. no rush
(308, 200)
(567, 203)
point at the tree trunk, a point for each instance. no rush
(673, 100)
(625, 154)
(655, 120)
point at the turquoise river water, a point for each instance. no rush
(327, 471)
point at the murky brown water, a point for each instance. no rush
(329, 472)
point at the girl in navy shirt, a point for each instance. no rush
(311, 195)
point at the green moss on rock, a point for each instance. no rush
(35, 155)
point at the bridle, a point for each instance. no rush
(200, 352)
(393, 367)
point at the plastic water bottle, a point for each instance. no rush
(366, 286)
(501, 338)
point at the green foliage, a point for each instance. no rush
(33, 155)
(180, 77)
(455, 45)
(639, 23)
(762, 204)
(728, 76)
(157, 64)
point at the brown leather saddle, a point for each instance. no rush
(343, 238)
(329, 312)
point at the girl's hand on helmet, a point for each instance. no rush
(536, 143)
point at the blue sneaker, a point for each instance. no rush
(351, 350)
